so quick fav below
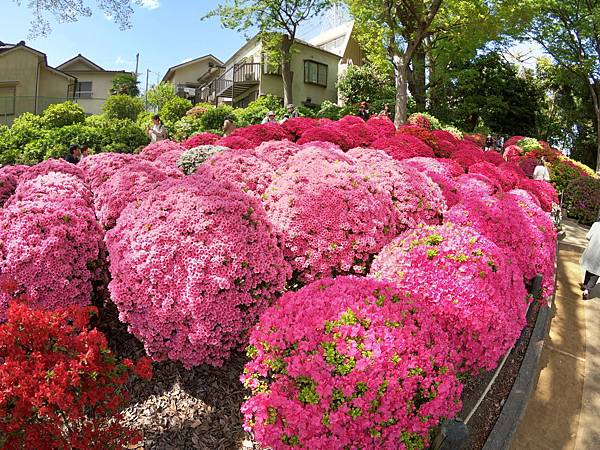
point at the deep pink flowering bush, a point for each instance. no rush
(242, 168)
(193, 265)
(153, 151)
(327, 134)
(476, 184)
(543, 191)
(8, 184)
(445, 148)
(258, 134)
(381, 126)
(475, 293)
(317, 153)
(467, 155)
(498, 175)
(493, 157)
(514, 140)
(528, 165)
(511, 173)
(444, 135)
(200, 139)
(53, 186)
(235, 143)
(519, 227)
(331, 218)
(98, 168)
(51, 165)
(366, 369)
(296, 126)
(276, 153)
(403, 146)
(15, 170)
(512, 153)
(52, 250)
(422, 133)
(443, 166)
(420, 120)
(126, 185)
(416, 197)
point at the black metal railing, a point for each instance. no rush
(238, 74)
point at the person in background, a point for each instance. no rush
(590, 260)
(74, 154)
(541, 171)
(386, 111)
(363, 111)
(85, 151)
(489, 143)
(157, 132)
(228, 126)
(269, 118)
(291, 112)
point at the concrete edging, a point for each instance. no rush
(513, 410)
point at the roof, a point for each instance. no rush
(343, 30)
(171, 70)
(7, 48)
(83, 59)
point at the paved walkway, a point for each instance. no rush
(564, 409)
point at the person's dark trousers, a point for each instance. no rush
(590, 280)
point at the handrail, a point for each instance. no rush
(238, 73)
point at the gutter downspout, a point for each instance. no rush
(37, 87)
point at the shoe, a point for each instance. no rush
(586, 294)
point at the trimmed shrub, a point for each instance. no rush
(63, 114)
(121, 106)
(582, 199)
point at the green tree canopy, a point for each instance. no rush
(160, 94)
(125, 84)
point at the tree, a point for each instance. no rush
(367, 83)
(125, 84)
(400, 27)
(569, 30)
(160, 94)
(277, 22)
(119, 11)
(120, 106)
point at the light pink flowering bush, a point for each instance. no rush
(169, 159)
(348, 363)
(276, 153)
(53, 186)
(126, 185)
(8, 184)
(332, 220)
(476, 184)
(193, 264)
(98, 168)
(416, 197)
(442, 172)
(51, 165)
(519, 227)
(476, 295)
(52, 250)
(152, 151)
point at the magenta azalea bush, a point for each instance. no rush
(8, 184)
(348, 363)
(475, 294)
(235, 142)
(189, 289)
(200, 139)
(327, 133)
(276, 153)
(403, 146)
(258, 134)
(153, 151)
(476, 184)
(296, 126)
(51, 165)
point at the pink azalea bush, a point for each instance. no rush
(8, 184)
(443, 135)
(528, 165)
(476, 184)
(235, 142)
(51, 165)
(98, 168)
(53, 186)
(257, 134)
(367, 368)
(327, 134)
(543, 191)
(512, 153)
(518, 226)
(498, 175)
(200, 139)
(126, 185)
(153, 151)
(403, 146)
(381, 126)
(467, 155)
(494, 157)
(15, 170)
(475, 293)
(52, 250)
(189, 289)
(331, 218)
(276, 153)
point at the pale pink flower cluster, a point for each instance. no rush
(348, 363)
(276, 153)
(53, 186)
(98, 168)
(154, 150)
(192, 265)
(51, 165)
(475, 293)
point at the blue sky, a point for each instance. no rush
(164, 33)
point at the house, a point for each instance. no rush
(93, 82)
(190, 75)
(28, 83)
(247, 76)
(342, 41)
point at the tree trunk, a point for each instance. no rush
(416, 79)
(594, 88)
(286, 69)
(401, 79)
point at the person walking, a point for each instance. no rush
(269, 118)
(228, 126)
(541, 171)
(74, 154)
(157, 132)
(590, 260)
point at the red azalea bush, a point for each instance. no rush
(61, 387)
(528, 165)
(444, 148)
(367, 369)
(258, 134)
(98, 168)
(54, 186)
(475, 293)
(189, 289)
(416, 197)
(8, 184)
(153, 151)
(332, 220)
(543, 191)
(53, 251)
(403, 146)
(327, 134)
(296, 126)
(419, 120)
(512, 153)
(493, 157)
(200, 139)
(381, 126)
(582, 199)
(422, 133)
(276, 153)
(51, 165)
(475, 138)
(126, 185)
(443, 135)
(514, 140)
(467, 155)
(519, 227)
(235, 142)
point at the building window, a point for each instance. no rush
(7, 100)
(83, 89)
(315, 73)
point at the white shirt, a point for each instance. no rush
(158, 133)
(541, 173)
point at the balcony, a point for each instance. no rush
(233, 83)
